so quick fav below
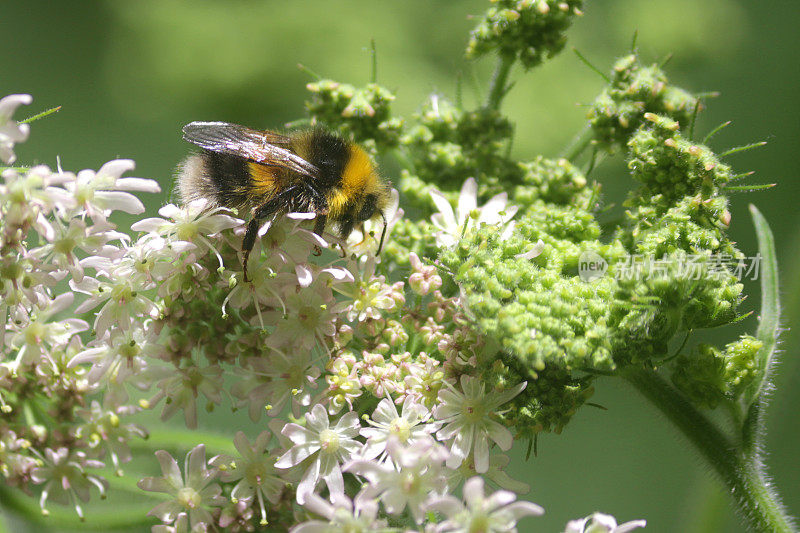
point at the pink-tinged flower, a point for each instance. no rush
(269, 383)
(343, 515)
(496, 513)
(285, 241)
(468, 423)
(602, 523)
(66, 478)
(192, 493)
(321, 448)
(103, 430)
(99, 193)
(182, 388)
(452, 226)
(409, 427)
(181, 525)
(425, 278)
(254, 470)
(308, 317)
(413, 474)
(424, 381)
(344, 385)
(264, 290)
(11, 131)
(369, 293)
(237, 516)
(365, 240)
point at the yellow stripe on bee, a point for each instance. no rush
(358, 179)
(336, 203)
(263, 178)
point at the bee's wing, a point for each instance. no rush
(265, 147)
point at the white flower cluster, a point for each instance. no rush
(55, 239)
(376, 391)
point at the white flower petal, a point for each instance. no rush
(120, 201)
(467, 200)
(448, 218)
(137, 184)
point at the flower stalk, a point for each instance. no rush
(739, 468)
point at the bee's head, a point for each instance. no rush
(365, 195)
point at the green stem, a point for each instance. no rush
(578, 144)
(741, 470)
(499, 86)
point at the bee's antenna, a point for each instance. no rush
(383, 233)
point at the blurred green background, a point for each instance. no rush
(130, 74)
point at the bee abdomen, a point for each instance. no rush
(221, 179)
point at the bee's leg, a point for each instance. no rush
(319, 227)
(266, 210)
(248, 242)
(344, 231)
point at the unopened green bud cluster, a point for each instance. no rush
(527, 30)
(634, 90)
(362, 113)
(448, 144)
(712, 375)
(540, 319)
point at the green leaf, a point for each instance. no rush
(769, 321)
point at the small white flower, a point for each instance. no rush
(497, 513)
(342, 516)
(469, 426)
(182, 388)
(120, 354)
(274, 380)
(308, 317)
(67, 239)
(194, 492)
(409, 479)
(101, 192)
(67, 477)
(325, 447)
(602, 523)
(11, 131)
(495, 474)
(194, 223)
(36, 335)
(124, 300)
(254, 469)
(29, 196)
(409, 427)
(468, 216)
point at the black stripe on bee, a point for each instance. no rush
(329, 153)
(230, 176)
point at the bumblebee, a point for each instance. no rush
(268, 174)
